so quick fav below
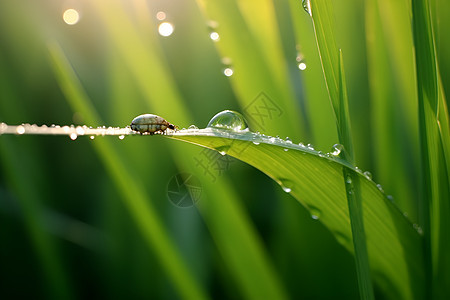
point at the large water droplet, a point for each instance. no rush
(336, 149)
(229, 120)
(307, 6)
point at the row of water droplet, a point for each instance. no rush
(232, 121)
(72, 131)
(224, 122)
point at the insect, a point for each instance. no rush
(149, 123)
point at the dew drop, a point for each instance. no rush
(20, 129)
(92, 137)
(286, 185)
(121, 137)
(307, 6)
(193, 127)
(286, 189)
(73, 136)
(380, 188)
(229, 120)
(348, 179)
(321, 154)
(80, 130)
(288, 140)
(286, 150)
(336, 149)
(256, 139)
(223, 149)
(3, 127)
(310, 146)
(315, 213)
(390, 198)
(418, 228)
(368, 175)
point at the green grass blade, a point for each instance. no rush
(134, 196)
(317, 182)
(332, 65)
(354, 198)
(435, 208)
(391, 75)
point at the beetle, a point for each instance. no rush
(149, 123)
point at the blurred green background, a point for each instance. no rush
(66, 226)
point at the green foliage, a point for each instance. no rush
(94, 217)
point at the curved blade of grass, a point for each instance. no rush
(317, 182)
(435, 210)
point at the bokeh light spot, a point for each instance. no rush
(165, 29)
(214, 36)
(160, 15)
(71, 16)
(228, 72)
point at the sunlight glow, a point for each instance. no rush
(165, 29)
(71, 16)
